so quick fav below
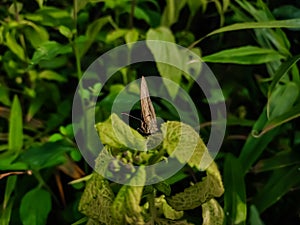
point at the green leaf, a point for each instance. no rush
(116, 34)
(126, 207)
(97, 199)
(8, 162)
(171, 12)
(51, 75)
(14, 46)
(161, 221)
(15, 136)
(244, 55)
(235, 196)
(51, 16)
(117, 134)
(4, 95)
(280, 183)
(65, 31)
(35, 207)
(169, 212)
(49, 50)
(185, 140)
(163, 53)
(212, 213)
(292, 23)
(10, 186)
(5, 213)
(280, 160)
(163, 187)
(281, 71)
(254, 146)
(131, 36)
(37, 35)
(279, 120)
(201, 192)
(92, 31)
(47, 155)
(282, 99)
(254, 218)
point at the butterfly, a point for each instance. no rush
(149, 123)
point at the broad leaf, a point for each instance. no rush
(97, 199)
(126, 207)
(35, 207)
(201, 192)
(212, 213)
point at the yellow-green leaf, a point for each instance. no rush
(212, 213)
(15, 136)
(97, 199)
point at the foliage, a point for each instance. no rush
(250, 45)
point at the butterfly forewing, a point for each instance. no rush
(149, 123)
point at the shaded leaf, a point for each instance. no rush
(235, 195)
(35, 207)
(280, 183)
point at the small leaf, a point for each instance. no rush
(281, 71)
(15, 137)
(244, 55)
(171, 12)
(131, 36)
(212, 213)
(117, 134)
(97, 199)
(35, 207)
(161, 221)
(282, 99)
(201, 192)
(49, 50)
(51, 75)
(14, 46)
(126, 207)
(47, 155)
(182, 141)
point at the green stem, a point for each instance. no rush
(152, 209)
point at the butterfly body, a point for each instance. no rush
(149, 123)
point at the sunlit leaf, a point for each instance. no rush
(117, 134)
(212, 213)
(244, 55)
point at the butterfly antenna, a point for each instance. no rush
(132, 116)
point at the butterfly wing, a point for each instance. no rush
(149, 124)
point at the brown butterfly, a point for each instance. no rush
(149, 123)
